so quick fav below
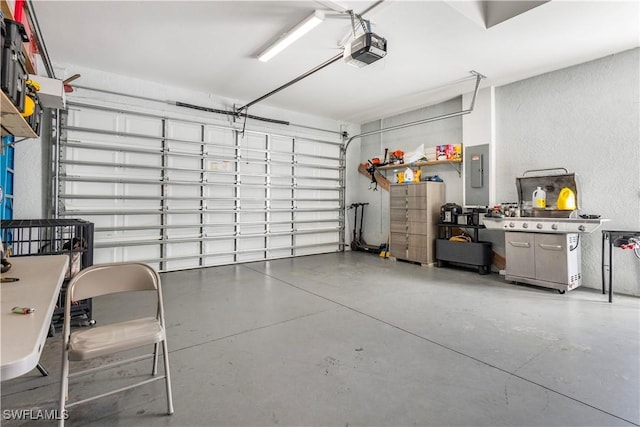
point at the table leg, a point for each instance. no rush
(610, 270)
(603, 239)
(42, 370)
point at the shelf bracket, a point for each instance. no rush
(457, 168)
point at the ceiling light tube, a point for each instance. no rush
(292, 35)
(334, 5)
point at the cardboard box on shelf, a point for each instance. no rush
(457, 152)
(449, 152)
(51, 92)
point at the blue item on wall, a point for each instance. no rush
(6, 178)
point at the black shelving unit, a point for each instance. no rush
(475, 253)
(72, 237)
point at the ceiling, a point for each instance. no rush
(211, 47)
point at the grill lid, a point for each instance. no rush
(551, 184)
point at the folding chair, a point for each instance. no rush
(105, 340)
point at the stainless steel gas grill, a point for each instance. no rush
(542, 245)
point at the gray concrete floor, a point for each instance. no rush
(353, 339)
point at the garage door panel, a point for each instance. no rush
(204, 195)
(149, 160)
(219, 136)
(284, 172)
(225, 218)
(281, 193)
(251, 257)
(221, 165)
(281, 228)
(220, 183)
(255, 192)
(280, 253)
(142, 125)
(219, 259)
(319, 238)
(248, 218)
(310, 216)
(182, 264)
(279, 241)
(139, 253)
(285, 216)
(191, 163)
(184, 131)
(251, 244)
(93, 119)
(184, 148)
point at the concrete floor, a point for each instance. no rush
(352, 339)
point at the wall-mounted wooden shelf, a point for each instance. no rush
(418, 164)
(384, 182)
(11, 122)
(453, 162)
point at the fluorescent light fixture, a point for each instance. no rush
(292, 35)
(334, 5)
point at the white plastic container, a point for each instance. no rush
(539, 198)
(408, 176)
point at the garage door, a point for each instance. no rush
(178, 193)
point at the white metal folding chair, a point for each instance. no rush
(113, 338)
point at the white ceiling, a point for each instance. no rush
(211, 46)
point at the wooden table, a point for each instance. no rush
(23, 335)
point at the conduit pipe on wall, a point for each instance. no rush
(44, 54)
(406, 125)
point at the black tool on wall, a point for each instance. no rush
(373, 164)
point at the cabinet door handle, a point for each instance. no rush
(520, 244)
(550, 247)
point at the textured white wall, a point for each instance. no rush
(479, 128)
(376, 214)
(584, 118)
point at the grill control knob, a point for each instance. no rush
(539, 226)
(511, 224)
(554, 226)
(581, 227)
(525, 225)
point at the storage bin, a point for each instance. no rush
(13, 73)
(72, 237)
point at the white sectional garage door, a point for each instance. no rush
(179, 193)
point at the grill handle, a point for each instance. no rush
(551, 247)
(546, 170)
(520, 244)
